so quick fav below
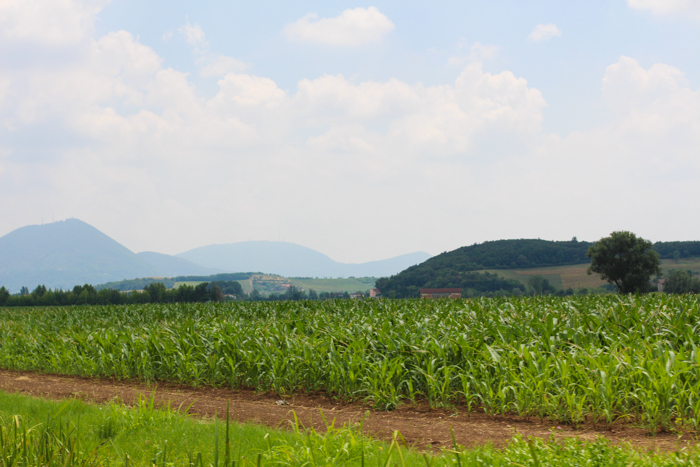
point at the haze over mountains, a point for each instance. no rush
(292, 260)
(66, 253)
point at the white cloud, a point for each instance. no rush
(628, 87)
(49, 22)
(542, 32)
(480, 51)
(194, 35)
(144, 133)
(210, 64)
(353, 27)
(689, 8)
(477, 52)
(658, 114)
(213, 64)
(135, 149)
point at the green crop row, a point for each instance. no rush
(598, 358)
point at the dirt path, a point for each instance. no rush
(419, 424)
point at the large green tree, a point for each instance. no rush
(625, 260)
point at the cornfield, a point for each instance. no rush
(577, 359)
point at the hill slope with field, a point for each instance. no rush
(508, 264)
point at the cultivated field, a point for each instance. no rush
(692, 264)
(575, 277)
(269, 283)
(592, 359)
(561, 277)
(349, 285)
(188, 283)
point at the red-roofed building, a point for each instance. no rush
(440, 293)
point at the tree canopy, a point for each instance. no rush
(679, 281)
(625, 260)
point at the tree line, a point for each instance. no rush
(155, 292)
(88, 295)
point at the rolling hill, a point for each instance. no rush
(508, 264)
(71, 252)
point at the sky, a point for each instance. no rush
(361, 130)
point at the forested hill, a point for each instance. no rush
(509, 254)
(671, 250)
(457, 268)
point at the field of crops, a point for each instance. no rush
(596, 358)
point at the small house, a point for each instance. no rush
(440, 293)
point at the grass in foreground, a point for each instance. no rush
(37, 432)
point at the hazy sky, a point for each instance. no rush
(362, 130)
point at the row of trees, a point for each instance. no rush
(294, 293)
(88, 295)
(156, 292)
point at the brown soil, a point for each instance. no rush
(419, 425)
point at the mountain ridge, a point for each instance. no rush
(64, 254)
(172, 266)
(284, 258)
(71, 252)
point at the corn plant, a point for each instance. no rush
(602, 358)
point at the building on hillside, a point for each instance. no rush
(440, 293)
(374, 293)
(660, 285)
(356, 295)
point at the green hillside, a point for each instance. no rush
(464, 267)
(575, 277)
(508, 264)
(509, 254)
(351, 284)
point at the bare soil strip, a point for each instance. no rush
(420, 425)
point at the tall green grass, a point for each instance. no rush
(599, 358)
(40, 433)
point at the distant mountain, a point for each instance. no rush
(292, 260)
(63, 254)
(68, 253)
(171, 266)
